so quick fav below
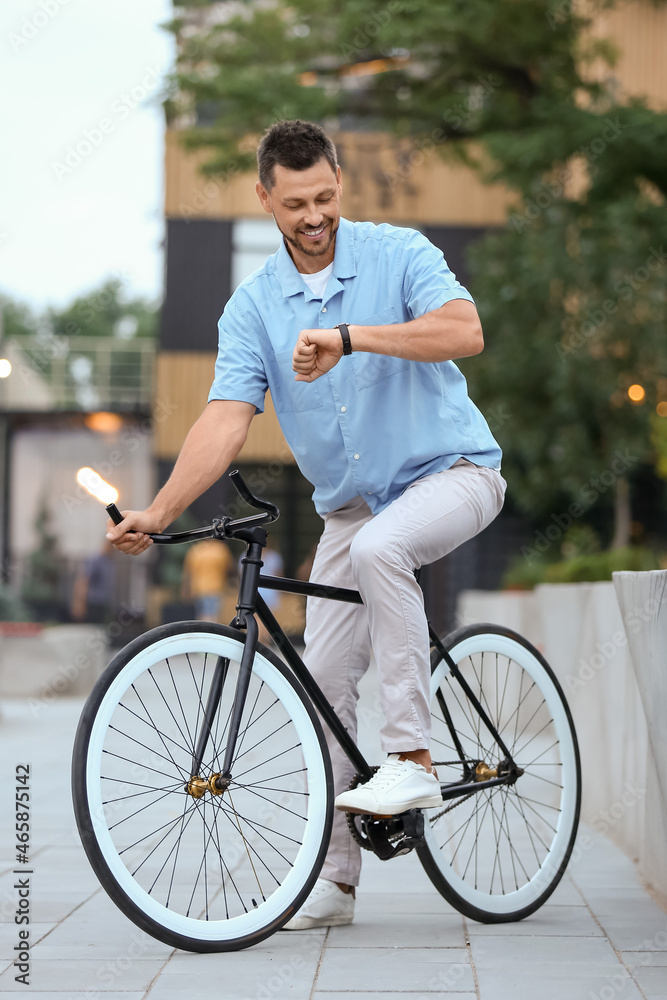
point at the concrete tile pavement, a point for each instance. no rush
(600, 937)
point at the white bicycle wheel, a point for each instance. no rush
(499, 853)
(216, 872)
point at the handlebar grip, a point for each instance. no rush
(114, 513)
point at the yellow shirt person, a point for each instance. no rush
(205, 571)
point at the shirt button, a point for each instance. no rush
(356, 456)
(343, 409)
(324, 309)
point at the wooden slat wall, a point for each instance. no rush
(183, 383)
(639, 31)
(377, 186)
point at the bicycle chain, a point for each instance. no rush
(358, 836)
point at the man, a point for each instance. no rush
(378, 417)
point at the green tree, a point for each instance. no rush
(574, 311)
(105, 312)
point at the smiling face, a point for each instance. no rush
(306, 207)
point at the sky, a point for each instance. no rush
(82, 134)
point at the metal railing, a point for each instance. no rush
(78, 373)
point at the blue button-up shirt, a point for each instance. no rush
(374, 424)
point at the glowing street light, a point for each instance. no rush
(636, 393)
(5, 368)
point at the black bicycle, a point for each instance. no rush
(203, 788)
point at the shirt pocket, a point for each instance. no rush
(368, 369)
(288, 395)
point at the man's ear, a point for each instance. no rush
(264, 197)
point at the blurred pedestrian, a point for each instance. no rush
(205, 573)
(93, 594)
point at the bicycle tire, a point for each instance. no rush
(220, 872)
(498, 854)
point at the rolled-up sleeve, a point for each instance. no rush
(239, 370)
(427, 281)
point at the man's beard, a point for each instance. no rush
(308, 249)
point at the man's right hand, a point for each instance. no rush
(131, 535)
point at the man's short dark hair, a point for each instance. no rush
(296, 145)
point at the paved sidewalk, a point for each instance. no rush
(601, 936)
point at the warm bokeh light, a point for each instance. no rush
(103, 423)
(661, 409)
(5, 368)
(96, 486)
(308, 79)
(636, 393)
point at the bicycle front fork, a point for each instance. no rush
(218, 783)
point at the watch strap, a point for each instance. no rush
(345, 334)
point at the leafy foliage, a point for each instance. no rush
(104, 312)
(574, 310)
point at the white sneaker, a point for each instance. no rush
(327, 906)
(398, 785)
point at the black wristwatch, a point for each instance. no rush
(345, 334)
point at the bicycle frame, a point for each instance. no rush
(251, 603)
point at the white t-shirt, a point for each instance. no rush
(318, 282)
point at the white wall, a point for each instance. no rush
(579, 630)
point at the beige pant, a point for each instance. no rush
(378, 556)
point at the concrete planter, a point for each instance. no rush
(643, 601)
(580, 631)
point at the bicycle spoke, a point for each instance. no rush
(151, 725)
(156, 753)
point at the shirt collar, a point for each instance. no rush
(345, 265)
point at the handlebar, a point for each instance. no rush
(222, 527)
